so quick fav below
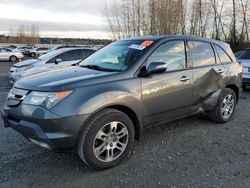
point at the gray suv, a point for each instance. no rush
(101, 106)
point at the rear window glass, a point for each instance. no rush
(224, 58)
(245, 55)
(201, 53)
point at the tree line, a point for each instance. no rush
(23, 34)
(227, 20)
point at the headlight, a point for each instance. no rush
(24, 68)
(45, 99)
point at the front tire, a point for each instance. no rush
(224, 110)
(13, 58)
(106, 139)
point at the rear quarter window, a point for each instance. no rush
(223, 56)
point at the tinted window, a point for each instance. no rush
(42, 49)
(202, 53)
(172, 53)
(5, 50)
(224, 58)
(86, 53)
(245, 55)
(68, 56)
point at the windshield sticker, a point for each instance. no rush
(147, 43)
(137, 47)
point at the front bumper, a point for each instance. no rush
(246, 81)
(43, 127)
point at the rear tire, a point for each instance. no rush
(13, 58)
(224, 110)
(106, 139)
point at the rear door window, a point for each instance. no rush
(202, 53)
(5, 50)
(68, 56)
(40, 49)
(86, 53)
(224, 58)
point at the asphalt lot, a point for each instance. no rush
(192, 152)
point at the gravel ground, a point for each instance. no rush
(192, 152)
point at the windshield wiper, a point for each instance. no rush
(96, 67)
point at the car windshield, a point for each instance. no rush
(117, 56)
(49, 55)
(245, 54)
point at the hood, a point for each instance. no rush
(26, 63)
(61, 79)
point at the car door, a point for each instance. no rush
(1, 54)
(4, 54)
(209, 75)
(168, 95)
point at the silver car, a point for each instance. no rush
(244, 59)
(52, 60)
(36, 52)
(7, 54)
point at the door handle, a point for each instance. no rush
(219, 71)
(184, 79)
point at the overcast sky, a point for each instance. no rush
(56, 18)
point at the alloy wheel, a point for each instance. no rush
(110, 141)
(227, 106)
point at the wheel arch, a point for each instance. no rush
(236, 89)
(132, 115)
(137, 123)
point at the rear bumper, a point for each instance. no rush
(52, 132)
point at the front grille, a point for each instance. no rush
(16, 96)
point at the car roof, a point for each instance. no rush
(162, 37)
(74, 48)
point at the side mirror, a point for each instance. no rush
(157, 67)
(58, 60)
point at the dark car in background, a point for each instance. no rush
(244, 59)
(238, 54)
(101, 106)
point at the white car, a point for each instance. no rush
(7, 54)
(52, 60)
(24, 49)
(36, 52)
(244, 59)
